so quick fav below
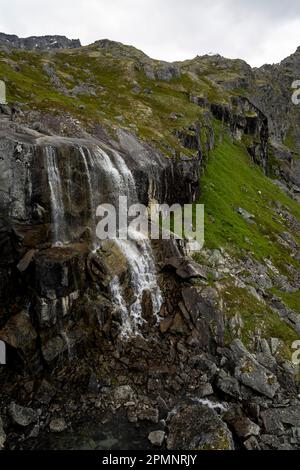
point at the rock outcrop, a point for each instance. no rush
(37, 209)
(38, 42)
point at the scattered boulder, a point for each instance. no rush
(244, 427)
(246, 215)
(175, 116)
(34, 433)
(228, 384)
(162, 407)
(166, 324)
(185, 268)
(57, 425)
(21, 415)
(252, 374)
(124, 393)
(296, 436)
(204, 390)
(252, 444)
(84, 89)
(136, 89)
(198, 427)
(178, 325)
(157, 438)
(19, 332)
(54, 79)
(208, 320)
(269, 441)
(93, 386)
(45, 392)
(274, 419)
(148, 413)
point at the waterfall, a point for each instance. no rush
(89, 180)
(142, 276)
(120, 305)
(106, 178)
(56, 197)
(136, 249)
(91, 189)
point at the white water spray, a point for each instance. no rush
(56, 196)
(108, 176)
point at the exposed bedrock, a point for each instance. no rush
(246, 122)
(50, 268)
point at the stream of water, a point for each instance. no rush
(107, 177)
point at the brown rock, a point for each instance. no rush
(178, 325)
(185, 268)
(18, 332)
(166, 324)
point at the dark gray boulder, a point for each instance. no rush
(21, 415)
(252, 374)
(198, 427)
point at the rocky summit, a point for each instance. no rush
(132, 344)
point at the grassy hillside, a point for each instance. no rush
(232, 181)
(114, 90)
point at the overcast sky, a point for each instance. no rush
(259, 31)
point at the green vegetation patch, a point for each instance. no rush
(257, 319)
(232, 181)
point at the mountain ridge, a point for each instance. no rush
(38, 42)
(54, 41)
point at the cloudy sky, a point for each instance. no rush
(259, 31)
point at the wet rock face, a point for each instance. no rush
(24, 177)
(16, 179)
(60, 272)
(156, 177)
(51, 189)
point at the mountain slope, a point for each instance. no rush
(86, 124)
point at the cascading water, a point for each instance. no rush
(143, 276)
(56, 197)
(91, 187)
(136, 249)
(107, 177)
(120, 304)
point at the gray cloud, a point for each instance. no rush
(258, 31)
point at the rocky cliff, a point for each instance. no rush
(38, 42)
(147, 335)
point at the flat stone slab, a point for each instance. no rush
(185, 268)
